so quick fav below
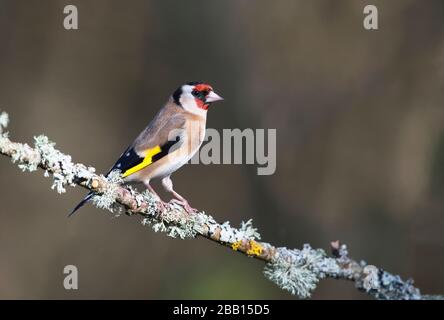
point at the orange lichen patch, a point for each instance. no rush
(235, 246)
(255, 249)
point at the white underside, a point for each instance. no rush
(168, 168)
(178, 159)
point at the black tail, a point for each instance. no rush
(85, 200)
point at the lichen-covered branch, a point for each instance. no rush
(297, 271)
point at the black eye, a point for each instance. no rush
(195, 93)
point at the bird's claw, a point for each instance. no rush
(162, 207)
(185, 205)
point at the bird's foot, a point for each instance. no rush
(185, 205)
(162, 208)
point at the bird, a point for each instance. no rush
(169, 141)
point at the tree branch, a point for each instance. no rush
(297, 271)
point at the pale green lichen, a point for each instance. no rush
(371, 279)
(115, 176)
(386, 286)
(178, 224)
(298, 280)
(296, 271)
(64, 171)
(205, 221)
(232, 235)
(247, 231)
(107, 199)
(173, 221)
(299, 271)
(26, 158)
(58, 163)
(4, 121)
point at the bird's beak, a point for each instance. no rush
(213, 97)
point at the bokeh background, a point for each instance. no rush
(360, 139)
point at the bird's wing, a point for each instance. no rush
(155, 142)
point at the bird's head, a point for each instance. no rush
(195, 97)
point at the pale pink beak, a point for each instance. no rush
(213, 97)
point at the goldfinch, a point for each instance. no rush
(168, 142)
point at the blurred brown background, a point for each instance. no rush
(360, 139)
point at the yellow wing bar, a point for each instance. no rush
(149, 154)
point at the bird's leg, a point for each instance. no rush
(168, 185)
(160, 202)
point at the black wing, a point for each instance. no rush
(130, 159)
(127, 160)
